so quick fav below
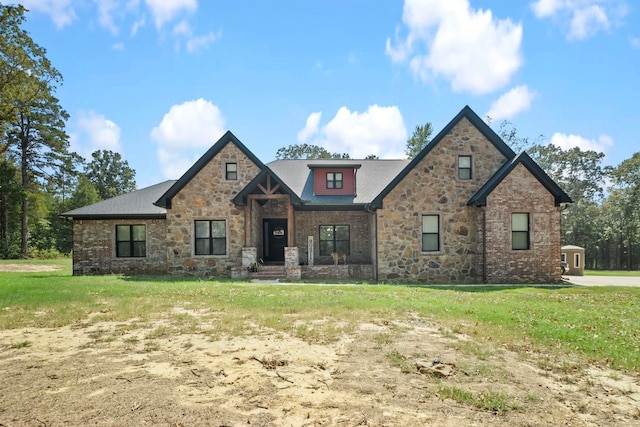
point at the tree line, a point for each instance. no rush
(40, 177)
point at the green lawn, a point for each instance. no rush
(593, 325)
(618, 273)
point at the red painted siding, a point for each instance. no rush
(320, 182)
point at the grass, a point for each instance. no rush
(590, 325)
(616, 273)
(496, 402)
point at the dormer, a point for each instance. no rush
(332, 179)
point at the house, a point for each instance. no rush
(467, 209)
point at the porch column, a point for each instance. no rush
(247, 221)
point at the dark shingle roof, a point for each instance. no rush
(137, 204)
(480, 197)
(372, 177)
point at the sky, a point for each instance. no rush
(160, 81)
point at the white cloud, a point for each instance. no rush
(164, 11)
(311, 127)
(511, 103)
(379, 130)
(566, 142)
(140, 22)
(93, 132)
(185, 133)
(105, 18)
(471, 49)
(118, 46)
(61, 11)
(193, 43)
(635, 42)
(588, 21)
(199, 43)
(582, 18)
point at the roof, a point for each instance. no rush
(137, 204)
(480, 197)
(164, 200)
(475, 120)
(372, 176)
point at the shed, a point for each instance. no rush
(574, 257)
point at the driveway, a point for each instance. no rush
(603, 280)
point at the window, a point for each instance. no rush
(464, 167)
(563, 257)
(131, 241)
(430, 233)
(519, 231)
(211, 237)
(576, 260)
(231, 171)
(334, 180)
(334, 238)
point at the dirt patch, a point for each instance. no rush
(28, 268)
(135, 373)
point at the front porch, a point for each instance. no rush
(292, 270)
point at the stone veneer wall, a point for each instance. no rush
(208, 196)
(94, 248)
(522, 192)
(433, 187)
(307, 223)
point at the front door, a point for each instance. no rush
(275, 238)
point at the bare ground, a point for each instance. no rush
(136, 373)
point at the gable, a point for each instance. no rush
(489, 152)
(228, 149)
(480, 197)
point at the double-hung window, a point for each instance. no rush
(334, 180)
(211, 237)
(231, 171)
(430, 233)
(131, 241)
(464, 167)
(334, 239)
(520, 231)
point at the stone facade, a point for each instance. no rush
(433, 188)
(385, 230)
(208, 196)
(94, 248)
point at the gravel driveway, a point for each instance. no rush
(603, 280)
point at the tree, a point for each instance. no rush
(20, 60)
(110, 174)
(33, 121)
(307, 151)
(418, 140)
(626, 193)
(10, 197)
(518, 143)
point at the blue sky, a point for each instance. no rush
(161, 80)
